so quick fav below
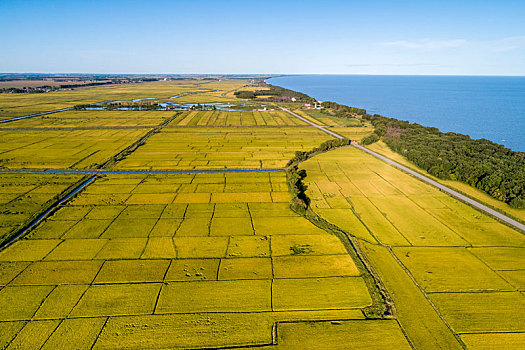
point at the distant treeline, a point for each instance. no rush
(69, 86)
(48, 88)
(115, 106)
(55, 87)
(483, 164)
(29, 90)
(276, 93)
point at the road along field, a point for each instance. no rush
(209, 260)
(455, 274)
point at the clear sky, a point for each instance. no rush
(264, 36)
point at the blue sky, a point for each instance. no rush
(266, 36)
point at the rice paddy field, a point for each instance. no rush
(61, 149)
(222, 148)
(185, 237)
(329, 120)
(455, 274)
(173, 260)
(24, 195)
(136, 259)
(236, 118)
(352, 129)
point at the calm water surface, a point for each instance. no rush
(482, 107)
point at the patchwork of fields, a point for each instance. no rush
(214, 257)
(235, 118)
(195, 260)
(224, 148)
(163, 250)
(92, 119)
(460, 264)
(15, 105)
(60, 149)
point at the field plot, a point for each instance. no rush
(469, 265)
(353, 133)
(222, 148)
(377, 334)
(179, 254)
(93, 119)
(52, 149)
(226, 118)
(22, 197)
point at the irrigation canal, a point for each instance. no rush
(47, 212)
(131, 172)
(34, 115)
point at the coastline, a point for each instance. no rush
(337, 88)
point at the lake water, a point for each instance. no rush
(482, 107)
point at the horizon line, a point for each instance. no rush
(272, 74)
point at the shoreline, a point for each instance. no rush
(430, 125)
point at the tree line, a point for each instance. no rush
(343, 111)
(482, 164)
(276, 93)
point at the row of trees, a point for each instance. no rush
(295, 177)
(71, 85)
(276, 93)
(28, 90)
(483, 164)
(342, 110)
(301, 156)
(113, 106)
